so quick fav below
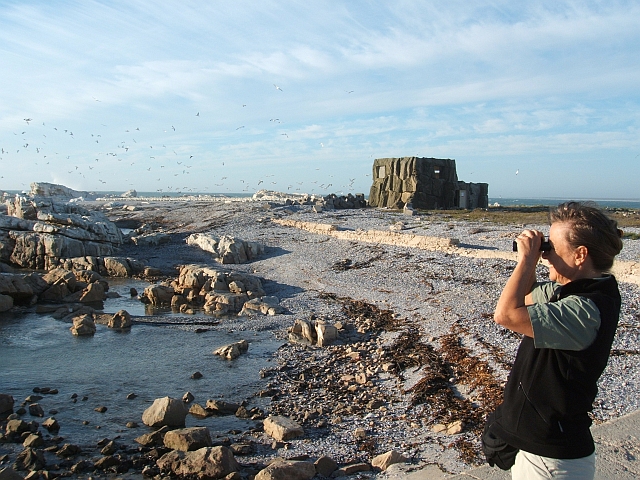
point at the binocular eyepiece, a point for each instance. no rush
(545, 246)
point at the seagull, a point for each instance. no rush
(349, 91)
(28, 120)
(517, 171)
(198, 114)
(277, 87)
(240, 127)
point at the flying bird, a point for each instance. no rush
(28, 120)
(277, 87)
(517, 171)
(240, 127)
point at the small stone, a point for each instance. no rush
(101, 409)
(188, 397)
(196, 375)
(360, 433)
(36, 410)
(131, 396)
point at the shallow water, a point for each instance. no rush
(151, 360)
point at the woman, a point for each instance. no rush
(568, 326)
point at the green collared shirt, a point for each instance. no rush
(571, 323)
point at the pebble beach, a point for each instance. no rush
(418, 362)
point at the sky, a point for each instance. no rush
(537, 99)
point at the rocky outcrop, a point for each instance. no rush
(43, 189)
(40, 232)
(227, 249)
(215, 291)
(328, 202)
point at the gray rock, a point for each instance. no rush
(165, 411)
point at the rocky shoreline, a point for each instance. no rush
(417, 361)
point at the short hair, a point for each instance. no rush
(592, 228)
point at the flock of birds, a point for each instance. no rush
(161, 161)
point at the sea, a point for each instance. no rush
(152, 360)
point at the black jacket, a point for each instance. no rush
(550, 392)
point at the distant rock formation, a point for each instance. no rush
(41, 232)
(52, 190)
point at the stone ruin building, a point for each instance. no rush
(423, 183)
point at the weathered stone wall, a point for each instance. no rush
(477, 195)
(426, 183)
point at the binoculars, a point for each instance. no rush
(545, 246)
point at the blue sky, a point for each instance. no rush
(233, 96)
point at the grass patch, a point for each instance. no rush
(535, 215)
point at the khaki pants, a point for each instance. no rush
(529, 466)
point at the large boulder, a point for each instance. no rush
(6, 403)
(117, 267)
(282, 428)
(187, 439)
(121, 320)
(281, 469)
(83, 325)
(165, 411)
(44, 189)
(206, 463)
(227, 249)
(158, 295)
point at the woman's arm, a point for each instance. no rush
(511, 311)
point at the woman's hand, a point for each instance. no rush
(511, 311)
(529, 242)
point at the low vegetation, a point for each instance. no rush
(535, 215)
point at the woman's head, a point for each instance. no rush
(591, 228)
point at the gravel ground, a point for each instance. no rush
(425, 297)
